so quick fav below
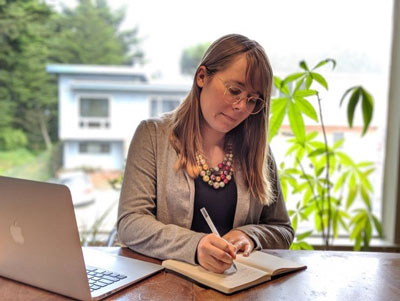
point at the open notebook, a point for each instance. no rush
(259, 267)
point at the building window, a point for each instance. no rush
(94, 147)
(94, 112)
(162, 105)
(94, 107)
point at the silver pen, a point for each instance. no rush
(215, 231)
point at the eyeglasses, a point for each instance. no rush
(234, 95)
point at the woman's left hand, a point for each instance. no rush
(240, 240)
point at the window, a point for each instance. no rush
(94, 112)
(162, 105)
(94, 147)
(93, 107)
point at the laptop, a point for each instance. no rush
(40, 245)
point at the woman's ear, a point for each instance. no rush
(201, 76)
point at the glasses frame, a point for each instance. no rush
(240, 97)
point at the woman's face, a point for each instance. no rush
(220, 116)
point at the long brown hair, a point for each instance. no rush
(249, 138)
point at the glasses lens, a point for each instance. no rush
(254, 105)
(233, 93)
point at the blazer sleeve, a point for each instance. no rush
(138, 227)
(274, 229)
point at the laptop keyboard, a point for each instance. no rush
(99, 278)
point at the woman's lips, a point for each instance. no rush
(229, 117)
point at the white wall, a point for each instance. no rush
(73, 159)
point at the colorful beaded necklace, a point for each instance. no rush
(219, 176)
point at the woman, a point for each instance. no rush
(222, 124)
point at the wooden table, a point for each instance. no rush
(331, 275)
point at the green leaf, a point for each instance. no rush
(324, 62)
(351, 196)
(367, 109)
(299, 84)
(365, 196)
(377, 225)
(311, 136)
(296, 122)
(294, 222)
(281, 86)
(365, 182)
(320, 79)
(305, 246)
(304, 66)
(357, 245)
(292, 77)
(303, 235)
(316, 152)
(291, 149)
(304, 93)
(304, 106)
(354, 98)
(345, 94)
(358, 227)
(319, 171)
(308, 81)
(345, 159)
(278, 112)
(340, 181)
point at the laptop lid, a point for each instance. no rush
(40, 246)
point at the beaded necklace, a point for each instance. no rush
(219, 176)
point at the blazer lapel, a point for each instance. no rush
(243, 199)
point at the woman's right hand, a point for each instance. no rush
(215, 254)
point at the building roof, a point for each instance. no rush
(97, 70)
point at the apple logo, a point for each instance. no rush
(16, 233)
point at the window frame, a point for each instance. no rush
(159, 99)
(103, 122)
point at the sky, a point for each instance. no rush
(354, 32)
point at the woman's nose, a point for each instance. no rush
(240, 104)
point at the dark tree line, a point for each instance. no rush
(33, 34)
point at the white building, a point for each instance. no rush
(100, 108)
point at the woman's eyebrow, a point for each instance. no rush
(243, 85)
(239, 83)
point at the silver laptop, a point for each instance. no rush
(40, 246)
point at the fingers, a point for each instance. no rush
(247, 250)
(241, 241)
(215, 254)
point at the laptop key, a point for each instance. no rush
(100, 271)
(94, 287)
(121, 276)
(106, 281)
(114, 279)
(101, 284)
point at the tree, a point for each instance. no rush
(191, 58)
(25, 85)
(90, 34)
(33, 35)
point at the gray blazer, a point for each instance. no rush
(156, 204)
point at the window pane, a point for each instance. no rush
(153, 109)
(94, 107)
(94, 147)
(169, 105)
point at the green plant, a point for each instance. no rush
(325, 180)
